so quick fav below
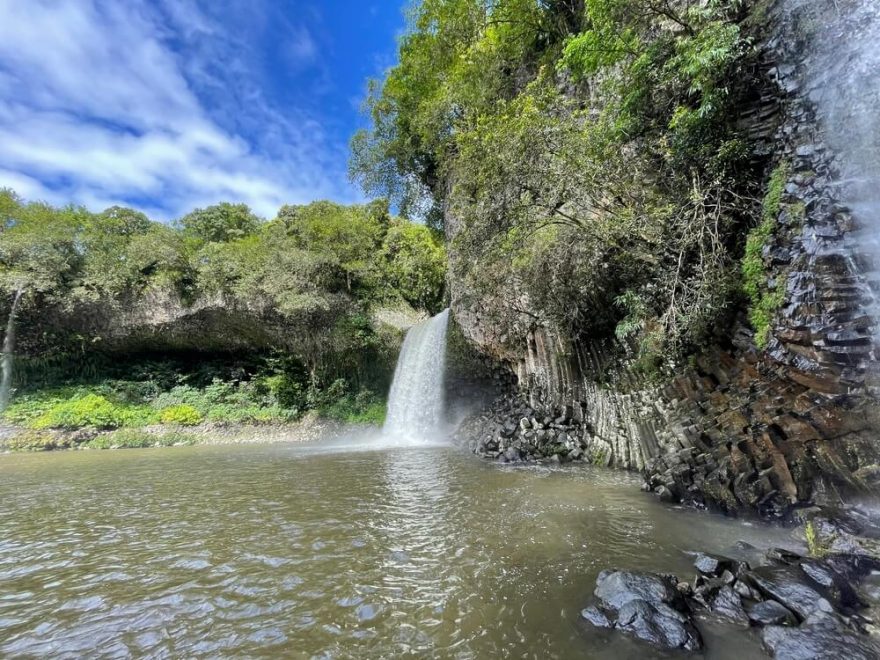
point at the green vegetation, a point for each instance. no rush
(363, 408)
(312, 265)
(584, 158)
(136, 439)
(283, 312)
(764, 302)
(181, 414)
(226, 390)
(817, 546)
(90, 410)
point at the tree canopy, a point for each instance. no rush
(313, 266)
(584, 156)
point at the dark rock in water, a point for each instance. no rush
(786, 585)
(596, 617)
(728, 604)
(715, 565)
(852, 567)
(782, 556)
(661, 626)
(835, 586)
(771, 613)
(616, 588)
(744, 546)
(745, 590)
(666, 495)
(823, 639)
(576, 454)
(705, 589)
(647, 606)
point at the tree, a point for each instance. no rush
(220, 223)
(40, 250)
(415, 264)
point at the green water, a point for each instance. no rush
(295, 551)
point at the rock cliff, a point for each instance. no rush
(743, 427)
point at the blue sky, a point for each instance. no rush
(167, 105)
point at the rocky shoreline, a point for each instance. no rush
(806, 606)
(308, 429)
(511, 431)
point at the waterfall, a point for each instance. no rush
(415, 404)
(6, 356)
(842, 75)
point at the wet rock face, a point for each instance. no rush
(822, 639)
(792, 599)
(646, 606)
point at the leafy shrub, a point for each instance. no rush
(287, 390)
(364, 408)
(91, 410)
(138, 439)
(27, 407)
(182, 414)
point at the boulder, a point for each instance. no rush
(727, 604)
(715, 565)
(834, 585)
(782, 556)
(745, 590)
(660, 625)
(786, 584)
(512, 454)
(646, 606)
(822, 639)
(596, 617)
(616, 588)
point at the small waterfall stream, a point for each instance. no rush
(7, 354)
(416, 402)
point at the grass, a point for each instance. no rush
(817, 546)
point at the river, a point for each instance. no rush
(319, 551)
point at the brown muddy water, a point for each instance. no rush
(306, 551)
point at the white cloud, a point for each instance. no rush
(104, 102)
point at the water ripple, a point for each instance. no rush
(228, 551)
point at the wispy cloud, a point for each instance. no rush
(153, 105)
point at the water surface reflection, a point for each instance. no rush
(286, 550)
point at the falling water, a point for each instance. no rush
(6, 356)
(842, 75)
(415, 405)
